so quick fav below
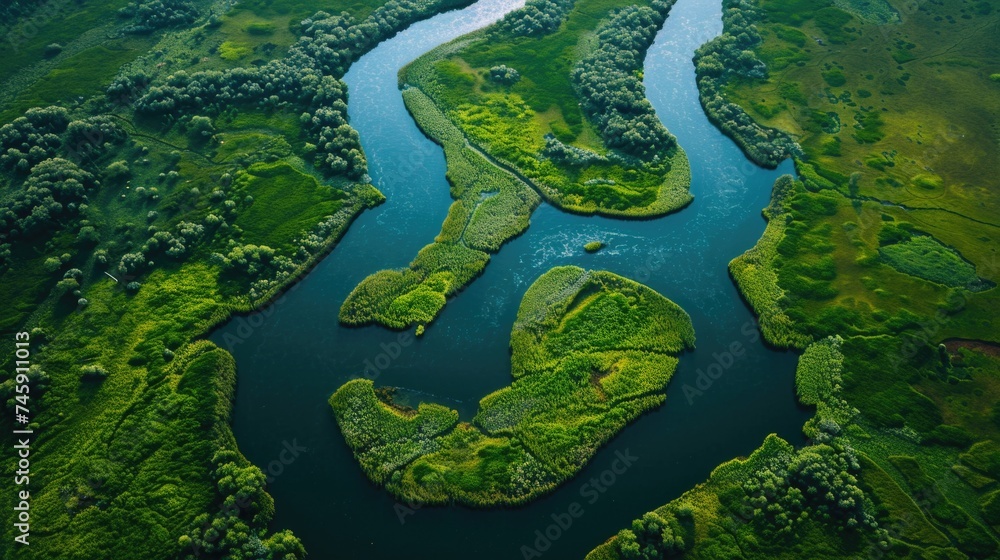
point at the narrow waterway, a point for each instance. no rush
(290, 362)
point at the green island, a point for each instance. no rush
(591, 351)
(593, 246)
(165, 165)
(547, 104)
(879, 260)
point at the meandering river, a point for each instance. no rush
(290, 362)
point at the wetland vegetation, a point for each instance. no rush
(591, 351)
(166, 164)
(880, 262)
(195, 174)
(516, 130)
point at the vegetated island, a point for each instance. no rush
(879, 260)
(593, 246)
(591, 352)
(548, 103)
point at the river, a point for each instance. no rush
(294, 359)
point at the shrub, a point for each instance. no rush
(93, 372)
(504, 75)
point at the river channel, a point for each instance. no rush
(295, 358)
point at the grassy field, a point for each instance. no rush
(491, 207)
(920, 438)
(591, 352)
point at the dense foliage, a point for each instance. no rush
(150, 15)
(731, 56)
(492, 207)
(136, 217)
(754, 273)
(307, 79)
(927, 258)
(535, 125)
(537, 17)
(610, 90)
(591, 352)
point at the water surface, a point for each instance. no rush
(291, 362)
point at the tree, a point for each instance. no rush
(201, 127)
(651, 537)
(505, 75)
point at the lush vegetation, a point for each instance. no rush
(858, 489)
(611, 93)
(591, 352)
(756, 278)
(150, 187)
(729, 57)
(472, 97)
(491, 207)
(537, 17)
(877, 261)
(925, 257)
(572, 122)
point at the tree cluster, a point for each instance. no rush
(818, 482)
(651, 537)
(504, 75)
(559, 152)
(150, 15)
(28, 140)
(12, 9)
(307, 78)
(731, 54)
(238, 530)
(610, 90)
(537, 17)
(51, 195)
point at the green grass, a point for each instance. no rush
(876, 242)
(27, 39)
(132, 460)
(84, 74)
(874, 396)
(593, 246)
(285, 203)
(491, 207)
(591, 352)
(926, 258)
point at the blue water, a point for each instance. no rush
(292, 357)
